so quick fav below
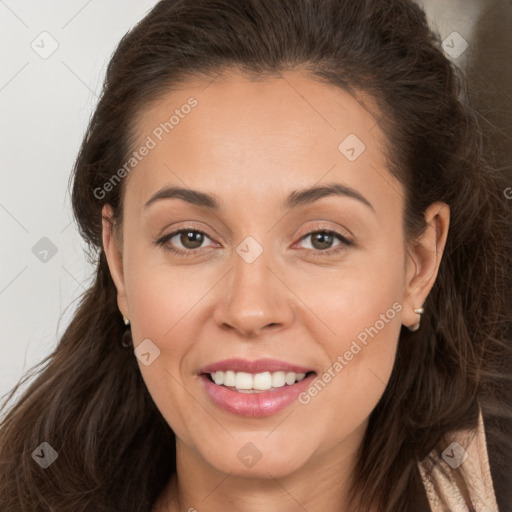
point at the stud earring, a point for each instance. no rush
(416, 326)
(126, 321)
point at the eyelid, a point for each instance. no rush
(322, 226)
(163, 239)
(345, 243)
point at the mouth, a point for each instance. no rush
(254, 388)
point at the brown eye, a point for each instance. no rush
(185, 242)
(191, 239)
(322, 240)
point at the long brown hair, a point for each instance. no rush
(88, 400)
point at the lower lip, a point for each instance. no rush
(264, 403)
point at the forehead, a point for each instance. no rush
(234, 134)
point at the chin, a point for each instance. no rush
(253, 456)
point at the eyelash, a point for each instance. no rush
(314, 252)
(190, 252)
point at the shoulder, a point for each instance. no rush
(446, 487)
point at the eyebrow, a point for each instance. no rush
(296, 198)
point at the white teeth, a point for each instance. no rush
(246, 382)
(289, 378)
(243, 380)
(278, 379)
(262, 381)
(229, 379)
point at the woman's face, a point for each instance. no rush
(258, 293)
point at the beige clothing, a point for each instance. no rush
(467, 449)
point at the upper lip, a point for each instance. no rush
(257, 366)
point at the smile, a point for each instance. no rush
(254, 388)
(248, 383)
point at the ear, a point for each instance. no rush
(113, 254)
(422, 262)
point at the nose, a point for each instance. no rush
(254, 299)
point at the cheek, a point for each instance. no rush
(161, 302)
(362, 291)
(361, 306)
(160, 295)
(361, 358)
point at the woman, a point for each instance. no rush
(303, 277)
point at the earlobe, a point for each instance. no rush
(423, 260)
(114, 257)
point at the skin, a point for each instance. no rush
(251, 144)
